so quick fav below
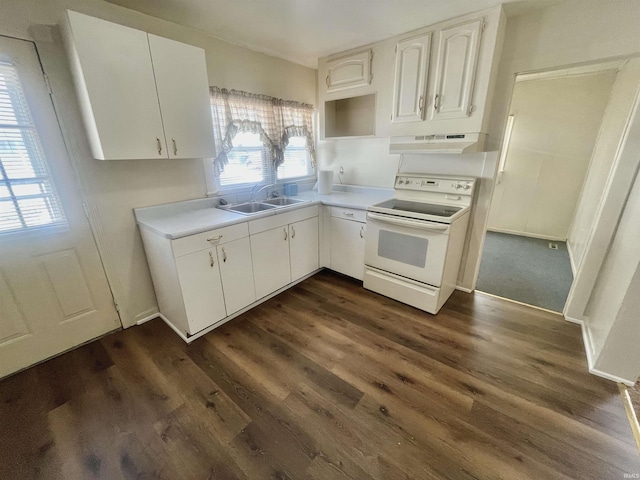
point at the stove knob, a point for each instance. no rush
(467, 186)
(400, 181)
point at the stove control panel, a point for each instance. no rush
(435, 184)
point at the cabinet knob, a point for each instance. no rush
(293, 232)
(175, 146)
(211, 262)
(224, 255)
(421, 103)
(286, 234)
(436, 102)
(362, 232)
(159, 143)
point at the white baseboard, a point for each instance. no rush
(147, 315)
(464, 289)
(586, 340)
(527, 234)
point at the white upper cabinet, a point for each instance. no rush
(458, 49)
(412, 67)
(183, 86)
(349, 72)
(139, 92)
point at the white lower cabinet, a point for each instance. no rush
(271, 264)
(204, 278)
(201, 285)
(347, 246)
(236, 271)
(303, 247)
(284, 248)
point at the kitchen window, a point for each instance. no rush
(260, 139)
(28, 199)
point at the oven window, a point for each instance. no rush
(403, 248)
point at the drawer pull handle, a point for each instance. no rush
(224, 255)
(347, 214)
(211, 262)
(286, 235)
(159, 143)
(175, 146)
(362, 232)
(436, 103)
(293, 232)
(214, 239)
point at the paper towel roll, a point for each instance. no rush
(325, 181)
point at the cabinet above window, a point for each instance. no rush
(142, 96)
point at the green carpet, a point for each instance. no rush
(526, 270)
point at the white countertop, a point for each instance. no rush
(176, 220)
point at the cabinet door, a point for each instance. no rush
(412, 66)
(117, 91)
(271, 266)
(303, 247)
(457, 60)
(236, 270)
(347, 247)
(348, 72)
(183, 91)
(201, 287)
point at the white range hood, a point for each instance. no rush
(446, 143)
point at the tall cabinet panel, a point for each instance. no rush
(236, 270)
(303, 247)
(412, 66)
(457, 58)
(114, 75)
(201, 285)
(271, 264)
(182, 83)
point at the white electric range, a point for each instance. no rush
(415, 241)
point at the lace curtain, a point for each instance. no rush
(275, 120)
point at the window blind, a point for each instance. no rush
(27, 195)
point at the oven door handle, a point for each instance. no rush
(419, 224)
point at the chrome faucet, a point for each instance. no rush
(254, 193)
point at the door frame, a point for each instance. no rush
(622, 176)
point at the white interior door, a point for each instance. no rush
(54, 293)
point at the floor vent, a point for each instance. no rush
(553, 246)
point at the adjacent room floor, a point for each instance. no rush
(324, 381)
(526, 270)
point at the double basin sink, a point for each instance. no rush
(250, 208)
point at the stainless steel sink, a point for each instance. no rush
(248, 208)
(282, 201)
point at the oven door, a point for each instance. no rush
(411, 248)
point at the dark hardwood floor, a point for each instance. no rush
(325, 381)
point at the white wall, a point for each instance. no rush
(114, 188)
(555, 128)
(616, 115)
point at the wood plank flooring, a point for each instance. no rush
(325, 381)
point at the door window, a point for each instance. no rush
(27, 196)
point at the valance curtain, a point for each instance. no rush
(275, 120)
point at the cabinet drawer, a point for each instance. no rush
(200, 241)
(282, 219)
(349, 214)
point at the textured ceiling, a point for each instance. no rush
(304, 30)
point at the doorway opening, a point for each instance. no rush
(537, 213)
